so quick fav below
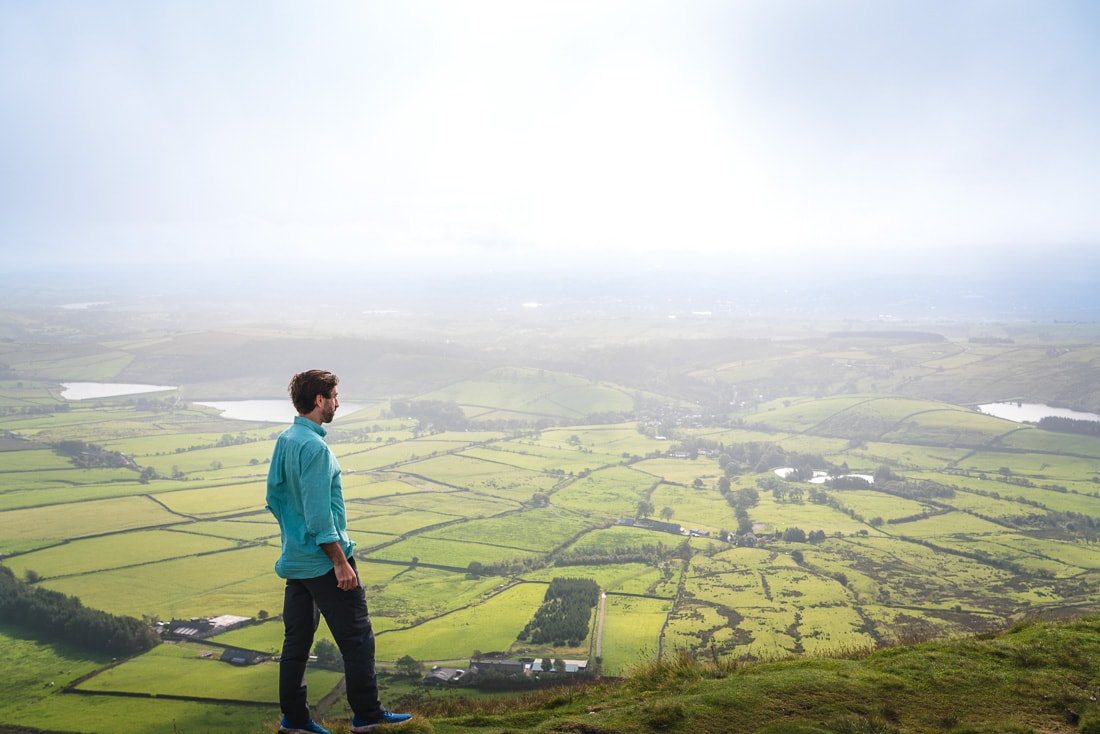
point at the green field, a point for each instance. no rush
(189, 669)
(1011, 531)
(631, 627)
(460, 633)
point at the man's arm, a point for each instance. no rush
(346, 578)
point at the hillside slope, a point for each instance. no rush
(1037, 677)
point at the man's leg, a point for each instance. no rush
(299, 624)
(346, 614)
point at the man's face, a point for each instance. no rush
(328, 406)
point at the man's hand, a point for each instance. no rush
(346, 578)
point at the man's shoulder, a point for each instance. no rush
(301, 435)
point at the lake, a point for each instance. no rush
(1033, 412)
(267, 410)
(89, 390)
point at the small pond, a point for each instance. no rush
(821, 477)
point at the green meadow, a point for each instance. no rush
(90, 555)
(631, 625)
(613, 491)
(491, 625)
(459, 532)
(189, 669)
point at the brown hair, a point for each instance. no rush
(306, 386)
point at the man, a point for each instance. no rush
(305, 495)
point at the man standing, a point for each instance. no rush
(305, 495)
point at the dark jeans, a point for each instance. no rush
(345, 612)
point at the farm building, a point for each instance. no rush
(445, 676)
(545, 665)
(234, 656)
(199, 628)
(646, 524)
(498, 667)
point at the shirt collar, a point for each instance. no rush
(303, 421)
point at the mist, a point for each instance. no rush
(431, 150)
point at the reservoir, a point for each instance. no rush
(1033, 412)
(264, 410)
(90, 390)
(267, 410)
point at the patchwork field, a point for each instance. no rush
(981, 522)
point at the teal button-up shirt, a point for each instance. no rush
(305, 495)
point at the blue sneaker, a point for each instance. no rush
(385, 718)
(285, 727)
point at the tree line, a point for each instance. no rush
(56, 617)
(431, 415)
(648, 553)
(1070, 425)
(90, 456)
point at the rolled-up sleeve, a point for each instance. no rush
(317, 470)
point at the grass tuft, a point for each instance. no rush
(662, 715)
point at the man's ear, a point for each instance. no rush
(318, 400)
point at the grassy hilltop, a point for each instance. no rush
(493, 461)
(1038, 677)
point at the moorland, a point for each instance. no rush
(495, 455)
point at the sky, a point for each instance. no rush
(200, 131)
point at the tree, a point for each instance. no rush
(883, 474)
(666, 513)
(645, 508)
(684, 550)
(408, 665)
(794, 535)
(328, 655)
